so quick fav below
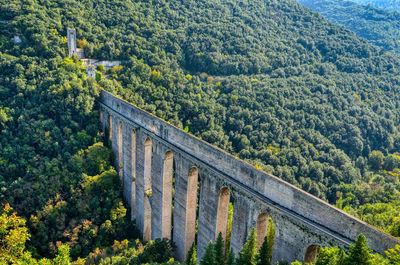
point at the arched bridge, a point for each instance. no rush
(180, 187)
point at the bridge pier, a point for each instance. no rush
(240, 223)
(185, 206)
(208, 208)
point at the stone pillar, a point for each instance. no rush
(140, 139)
(126, 163)
(240, 222)
(209, 195)
(156, 201)
(179, 222)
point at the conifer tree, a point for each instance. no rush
(219, 250)
(248, 253)
(209, 255)
(230, 260)
(191, 258)
(263, 255)
(359, 253)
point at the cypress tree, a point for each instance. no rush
(248, 253)
(263, 256)
(359, 253)
(191, 258)
(209, 255)
(219, 250)
(230, 260)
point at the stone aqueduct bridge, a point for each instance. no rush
(164, 170)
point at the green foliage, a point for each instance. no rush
(376, 159)
(248, 253)
(230, 260)
(378, 26)
(229, 229)
(191, 258)
(123, 252)
(330, 256)
(219, 250)
(264, 257)
(359, 253)
(393, 255)
(13, 236)
(270, 237)
(386, 4)
(209, 257)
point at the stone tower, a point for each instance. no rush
(71, 34)
(90, 70)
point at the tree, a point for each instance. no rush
(219, 250)
(393, 255)
(248, 253)
(376, 160)
(263, 255)
(191, 258)
(330, 256)
(209, 255)
(359, 253)
(13, 236)
(230, 260)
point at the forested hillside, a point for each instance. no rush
(378, 26)
(393, 5)
(268, 81)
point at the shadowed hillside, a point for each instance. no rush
(378, 26)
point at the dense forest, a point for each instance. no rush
(378, 26)
(269, 81)
(393, 5)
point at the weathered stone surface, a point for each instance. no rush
(301, 220)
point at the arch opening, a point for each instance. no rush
(147, 189)
(311, 253)
(191, 208)
(167, 194)
(261, 228)
(223, 213)
(229, 228)
(133, 173)
(265, 229)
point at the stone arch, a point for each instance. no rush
(261, 228)
(109, 127)
(168, 172)
(311, 253)
(133, 173)
(222, 213)
(191, 207)
(120, 151)
(147, 189)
